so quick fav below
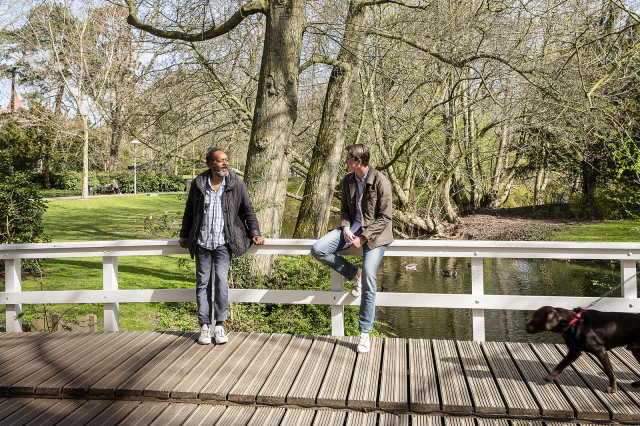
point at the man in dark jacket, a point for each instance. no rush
(365, 215)
(218, 220)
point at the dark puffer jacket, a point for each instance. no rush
(240, 222)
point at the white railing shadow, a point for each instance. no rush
(111, 296)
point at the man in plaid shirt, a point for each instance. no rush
(218, 220)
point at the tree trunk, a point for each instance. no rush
(313, 217)
(85, 155)
(275, 113)
(117, 133)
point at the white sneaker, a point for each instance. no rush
(220, 337)
(205, 335)
(357, 286)
(363, 343)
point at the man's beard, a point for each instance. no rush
(219, 172)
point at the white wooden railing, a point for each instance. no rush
(111, 296)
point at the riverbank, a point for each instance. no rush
(525, 224)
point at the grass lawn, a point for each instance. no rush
(606, 231)
(112, 218)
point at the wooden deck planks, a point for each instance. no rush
(388, 419)
(174, 414)
(53, 363)
(106, 360)
(285, 371)
(366, 376)
(175, 371)
(227, 374)
(458, 421)
(514, 389)
(355, 418)
(425, 420)
(267, 416)
(29, 411)
(205, 415)
(235, 415)
(307, 384)
(453, 385)
(16, 369)
(145, 413)
(335, 376)
(298, 417)
(209, 363)
(619, 404)
(583, 400)
(73, 365)
(423, 385)
(256, 374)
(335, 386)
(393, 376)
(329, 418)
(549, 397)
(129, 366)
(136, 382)
(89, 411)
(58, 411)
(484, 390)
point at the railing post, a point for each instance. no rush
(13, 284)
(477, 289)
(337, 312)
(110, 282)
(629, 278)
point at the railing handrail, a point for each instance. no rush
(337, 298)
(405, 248)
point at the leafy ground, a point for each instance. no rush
(523, 224)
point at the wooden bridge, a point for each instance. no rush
(107, 378)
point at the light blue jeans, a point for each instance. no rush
(212, 276)
(325, 251)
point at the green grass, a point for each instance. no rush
(108, 218)
(112, 218)
(606, 231)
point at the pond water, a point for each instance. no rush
(539, 277)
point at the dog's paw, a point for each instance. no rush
(551, 377)
(612, 389)
(636, 384)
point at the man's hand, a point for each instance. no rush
(348, 235)
(184, 243)
(258, 240)
(357, 242)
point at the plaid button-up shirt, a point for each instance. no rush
(212, 231)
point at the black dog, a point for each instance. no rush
(591, 331)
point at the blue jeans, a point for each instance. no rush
(325, 250)
(212, 273)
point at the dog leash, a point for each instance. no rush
(582, 311)
(604, 295)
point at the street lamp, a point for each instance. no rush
(135, 143)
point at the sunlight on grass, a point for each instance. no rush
(607, 231)
(102, 219)
(108, 218)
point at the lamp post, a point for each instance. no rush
(135, 143)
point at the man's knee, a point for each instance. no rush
(316, 252)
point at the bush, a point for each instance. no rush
(71, 182)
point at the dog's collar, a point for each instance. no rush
(575, 319)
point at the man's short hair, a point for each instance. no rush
(210, 155)
(359, 152)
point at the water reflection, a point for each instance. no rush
(501, 276)
(539, 277)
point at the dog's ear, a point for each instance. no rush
(553, 319)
